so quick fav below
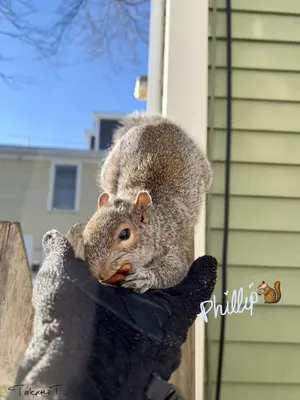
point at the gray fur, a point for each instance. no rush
(156, 155)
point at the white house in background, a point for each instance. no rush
(52, 188)
(100, 136)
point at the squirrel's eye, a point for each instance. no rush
(124, 234)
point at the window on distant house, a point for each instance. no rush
(107, 127)
(64, 194)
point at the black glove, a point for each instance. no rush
(98, 342)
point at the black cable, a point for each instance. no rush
(227, 196)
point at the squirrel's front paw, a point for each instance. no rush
(139, 281)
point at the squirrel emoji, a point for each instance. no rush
(153, 180)
(271, 295)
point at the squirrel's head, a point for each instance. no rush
(263, 285)
(119, 232)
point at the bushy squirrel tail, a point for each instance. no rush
(131, 121)
(278, 292)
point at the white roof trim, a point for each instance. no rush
(99, 115)
(89, 132)
(43, 152)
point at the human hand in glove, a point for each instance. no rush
(93, 341)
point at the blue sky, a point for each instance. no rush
(56, 107)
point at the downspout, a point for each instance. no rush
(226, 194)
(211, 123)
(155, 62)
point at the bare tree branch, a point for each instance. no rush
(113, 29)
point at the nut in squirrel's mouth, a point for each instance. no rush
(119, 276)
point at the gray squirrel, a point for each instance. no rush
(153, 180)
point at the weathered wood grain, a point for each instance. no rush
(184, 377)
(16, 312)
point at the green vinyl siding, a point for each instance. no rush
(242, 329)
(259, 179)
(259, 55)
(254, 147)
(259, 115)
(246, 26)
(249, 391)
(262, 351)
(259, 85)
(258, 248)
(267, 6)
(245, 275)
(246, 363)
(285, 215)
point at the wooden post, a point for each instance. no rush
(184, 376)
(16, 312)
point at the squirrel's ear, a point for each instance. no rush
(142, 202)
(103, 199)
